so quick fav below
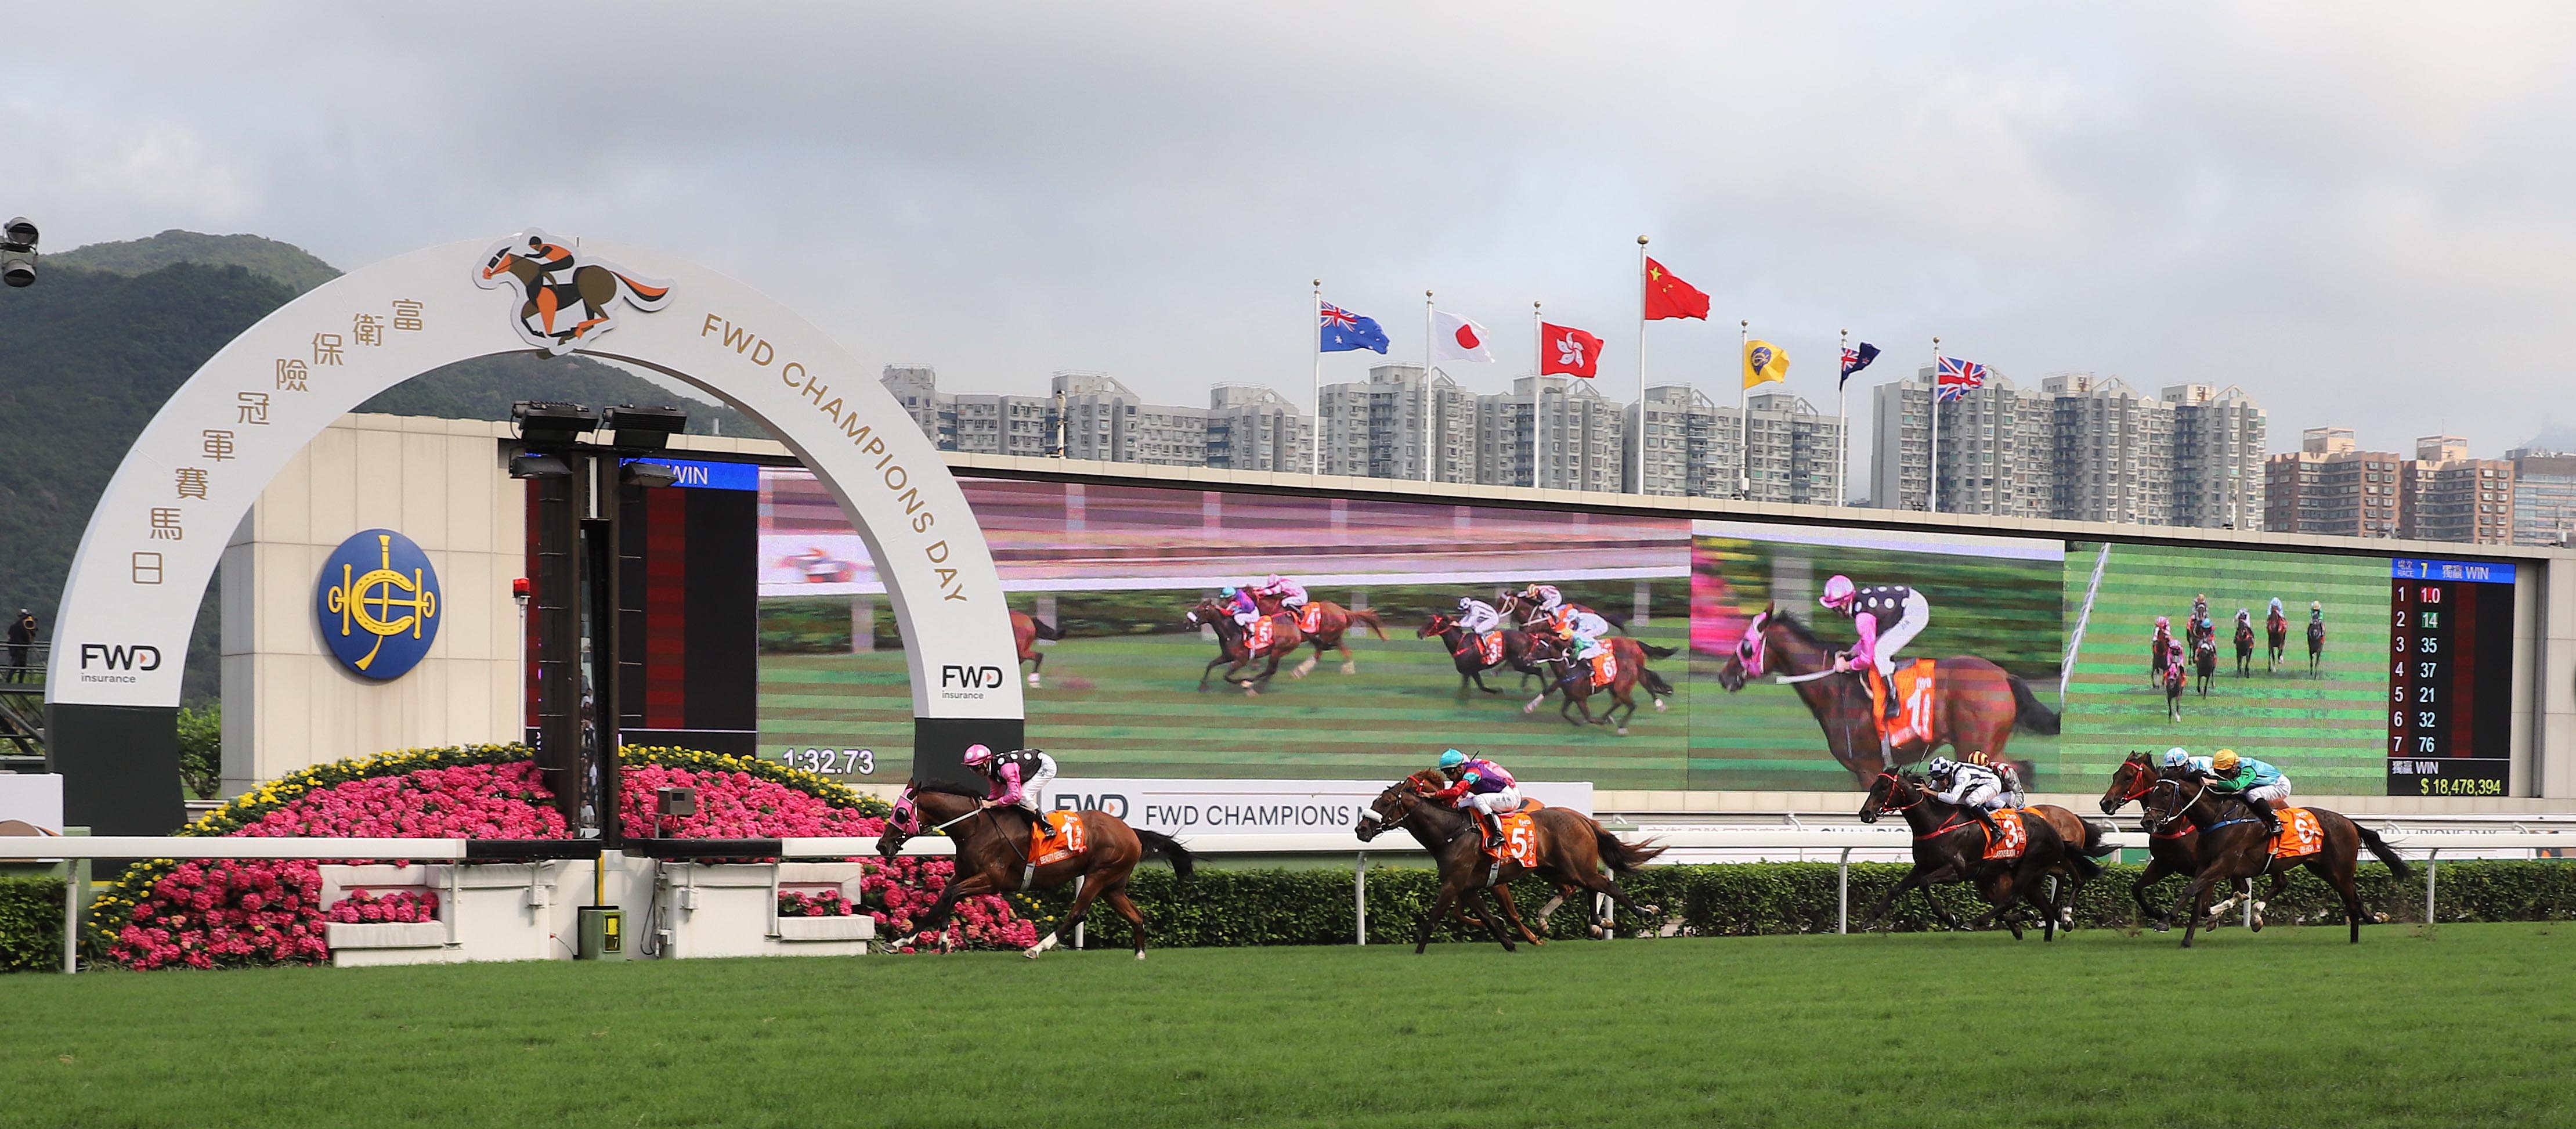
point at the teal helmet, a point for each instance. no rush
(1228, 593)
(1452, 759)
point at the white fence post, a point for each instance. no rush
(1842, 893)
(1359, 895)
(1078, 923)
(72, 869)
(2432, 861)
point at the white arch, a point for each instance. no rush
(121, 633)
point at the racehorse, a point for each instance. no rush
(1234, 644)
(994, 852)
(2244, 649)
(2174, 850)
(2233, 845)
(2159, 652)
(1529, 614)
(1976, 704)
(2204, 660)
(2276, 628)
(592, 287)
(1330, 620)
(1571, 850)
(1575, 678)
(1950, 846)
(1026, 630)
(2316, 643)
(1470, 653)
(2173, 690)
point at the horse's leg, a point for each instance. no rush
(1117, 898)
(1479, 676)
(1619, 698)
(1204, 671)
(1493, 928)
(1512, 915)
(1037, 662)
(2194, 899)
(1307, 666)
(1877, 910)
(1439, 909)
(1072, 917)
(2155, 872)
(1350, 662)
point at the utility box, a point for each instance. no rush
(603, 932)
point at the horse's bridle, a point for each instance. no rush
(1894, 780)
(2182, 807)
(1754, 648)
(1383, 823)
(2146, 782)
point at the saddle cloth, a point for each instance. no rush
(2301, 834)
(1490, 647)
(1914, 689)
(2015, 840)
(1520, 838)
(1310, 618)
(1605, 668)
(1264, 631)
(1062, 840)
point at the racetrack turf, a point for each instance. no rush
(2475, 1025)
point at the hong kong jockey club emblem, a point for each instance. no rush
(377, 603)
(566, 299)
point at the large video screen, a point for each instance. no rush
(2042, 652)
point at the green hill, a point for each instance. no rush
(109, 331)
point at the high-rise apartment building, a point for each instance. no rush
(1000, 425)
(916, 387)
(1998, 446)
(2544, 496)
(2115, 451)
(1375, 428)
(2079, 447)
(1553, 432)
(2218, 445)
(1680, 432)
(1250, 427)
(1105, 420)
(1900, 474)
(2448, 496)
(1091, 415)
(2330, 486)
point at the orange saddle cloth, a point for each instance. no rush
(2015, 839)
(2301, 834)
(1062, 839)
(1490, 644)
(1605, 668)
(1265, 630)
(1520, 837)
(1914, 689)
(1310, 618)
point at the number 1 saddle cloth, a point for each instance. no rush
(1914, 689)
(2301, 834)
(1063, 839)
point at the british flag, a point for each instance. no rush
(1958, 376)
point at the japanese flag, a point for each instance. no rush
(1454, 338)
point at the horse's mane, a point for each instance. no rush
(949, 787)
(1795, 626)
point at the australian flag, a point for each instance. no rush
(1855, 360)
(1344, 331)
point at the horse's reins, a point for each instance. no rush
(2180, 810)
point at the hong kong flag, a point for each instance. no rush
(1563, 349)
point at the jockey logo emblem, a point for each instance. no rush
(378, 604)
(566, 299)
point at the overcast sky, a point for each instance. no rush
(2359, 212)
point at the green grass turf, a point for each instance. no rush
(2475, 1025)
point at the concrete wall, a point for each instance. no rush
(288, 703)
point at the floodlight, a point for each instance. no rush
(645, 429)
(542, 421)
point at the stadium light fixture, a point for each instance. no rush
(18, 252)
(643, 428)
(542, 421)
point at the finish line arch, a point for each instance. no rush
(130, 604)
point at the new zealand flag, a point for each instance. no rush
(1344, 331)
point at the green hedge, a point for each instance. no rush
(31, 924)
(1313, 907)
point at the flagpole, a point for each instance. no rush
(1315, 338)
(1538, 363)
(1429, 474)
(1641, 364)
(1933, 488)
(1842, 410)
(1743, 412)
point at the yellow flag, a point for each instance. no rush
(1764, 363)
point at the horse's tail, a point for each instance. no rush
(1623, 857)
(2028, 714)
(2379, 847)
(644, 295)
(1157, 843)
(1653, 651)
(1044, 630)
(2094, 847)
(1653, 682)
(2086, 867)
(1364, 615)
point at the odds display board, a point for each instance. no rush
(2046, 653)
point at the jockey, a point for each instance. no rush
(2179, 759)
(1481, 786)
(1544, 597)
(2003, 771)
(2273, 614)
(1476, 617)
(2200, 607)
(2258, 784)
(2244, 621)
(1973, 788)
(2162, 644)
(1888, 616)
(1018, 778)
(1290, 594)
(1246, 609)
(2316, 612)
(1582, 632)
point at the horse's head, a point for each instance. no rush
(2165, 801)
(1752, 653)
(1208, 612)
(507, 261)
(1891, 790)
(1389, 811)
(903, 824)
(2130, 781)
(1438, 624)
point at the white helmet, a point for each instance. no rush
(1272, 582)
(2177, 757)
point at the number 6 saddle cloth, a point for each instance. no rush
(2015, 838)
(1914, 689)
(1062, 840)
(2301, 834)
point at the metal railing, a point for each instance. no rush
(2424, 845)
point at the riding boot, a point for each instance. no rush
(1993, 829)
(2263, 811)
(1895, 705)
(1491, 826)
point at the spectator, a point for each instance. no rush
(22, 644)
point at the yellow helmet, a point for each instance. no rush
(2225, 761)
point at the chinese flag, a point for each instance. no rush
(1567, 350)
(1670, 297)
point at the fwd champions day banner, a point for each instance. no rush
(2052, 646)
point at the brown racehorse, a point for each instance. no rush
(1975, 708)
(1234, 645)
(2244, 648)
(1950, 846)
(1571, 848)
(1331, 621)
(1470, 654)
(2173, 850)
(993, 856)
(1026, 630)
(1575, 679)
(2234, 845)
(591, 287)
(2316, 644)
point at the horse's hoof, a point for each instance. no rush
(1252, 691)
(1659, 705)
(1530, 708)
(1350, 668)
(1140, 956)
(1033, 681)
(1623, 730)
(1031, 952)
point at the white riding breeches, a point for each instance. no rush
(1499, 803)
(2272, 793)
(1992, 797)
(1891, 639)
(1033, 790)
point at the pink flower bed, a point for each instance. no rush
(828, 903)
(217, 913)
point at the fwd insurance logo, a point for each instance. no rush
(118, 661)
(957, 681)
